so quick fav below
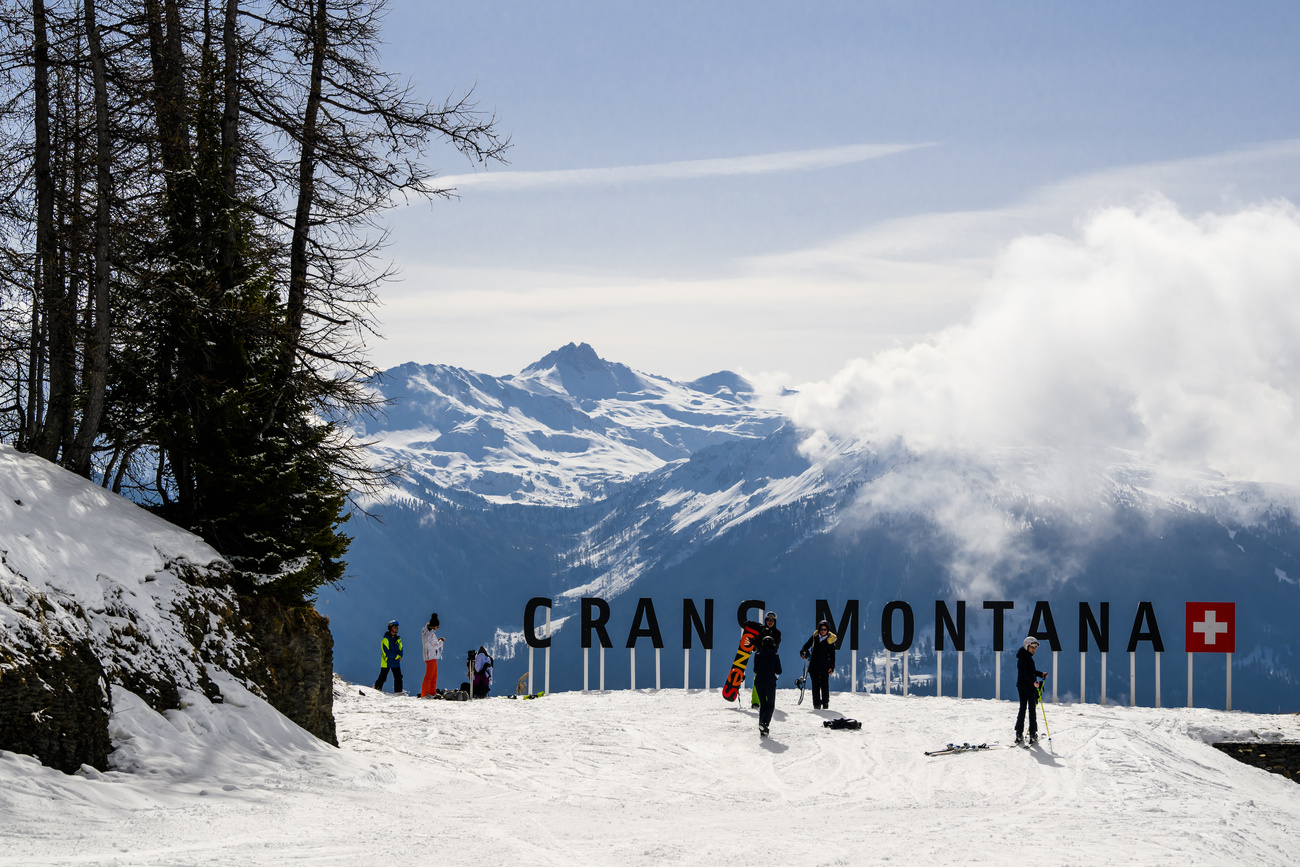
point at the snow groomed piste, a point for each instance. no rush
(655, 777)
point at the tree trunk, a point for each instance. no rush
(97, 373)
(47, 267)
(230, 141)
(297, 300)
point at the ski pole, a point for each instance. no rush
(1046, 727)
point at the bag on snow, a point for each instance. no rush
(842, 723)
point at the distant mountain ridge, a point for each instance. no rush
(561, 431)
(580, 477)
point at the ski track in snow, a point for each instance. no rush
(641, 778)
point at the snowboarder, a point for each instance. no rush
(1027, 680)
(768, 628)
(819, 650)
(432, 653)
(390, 656)
(482, 670)
(767, 667)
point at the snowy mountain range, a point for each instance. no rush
(582, 477)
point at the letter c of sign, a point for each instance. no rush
(530, 622)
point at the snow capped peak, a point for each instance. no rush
(579, 372)
(579, 356)
(716, 383)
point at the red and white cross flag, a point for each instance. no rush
(1211, 627)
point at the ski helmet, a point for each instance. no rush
(393, 623)
(821, 623)
(1030, 641)
(769, 641)
(771, 615)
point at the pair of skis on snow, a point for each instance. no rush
(957, 749)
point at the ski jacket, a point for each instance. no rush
(483, 668)
(432, 643)
(821, 652)
(1026, 674)
(767, 665)
(390, 651)
(765, 630)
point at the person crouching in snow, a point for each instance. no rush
(767, 666)
(1027, 678)
(482, 672)
(432, 653)
(390, 656)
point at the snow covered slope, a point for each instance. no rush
(97, 594)
(79, 562)
(655, 778)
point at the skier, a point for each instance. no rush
(767, 666)
(390, 656)
(768, 628)
(819, 650)
(1027, 680)
(432, 653)
(482, 673)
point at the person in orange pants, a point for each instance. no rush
(432, 653)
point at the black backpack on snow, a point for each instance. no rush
(842, 723)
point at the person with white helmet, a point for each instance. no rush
(1027, 680)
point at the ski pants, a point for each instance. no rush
(766, 703)
(1028, 701)
(383, 678)
(821, 688)
(430, 685)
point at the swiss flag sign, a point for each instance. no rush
(1211, 627)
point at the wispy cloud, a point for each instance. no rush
(760, 164)
(1213, 183)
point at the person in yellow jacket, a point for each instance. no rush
(390, 656)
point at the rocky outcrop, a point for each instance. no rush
(57, 657)
(295, 667)
(54, 704)
(1275, 757)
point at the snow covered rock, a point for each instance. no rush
(97, 592)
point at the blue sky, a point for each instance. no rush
(1005, 119)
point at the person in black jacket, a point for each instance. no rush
(819, 650)
(767, 666)
(1027, 680)
(768, 628)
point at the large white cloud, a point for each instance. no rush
(1153, 343)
